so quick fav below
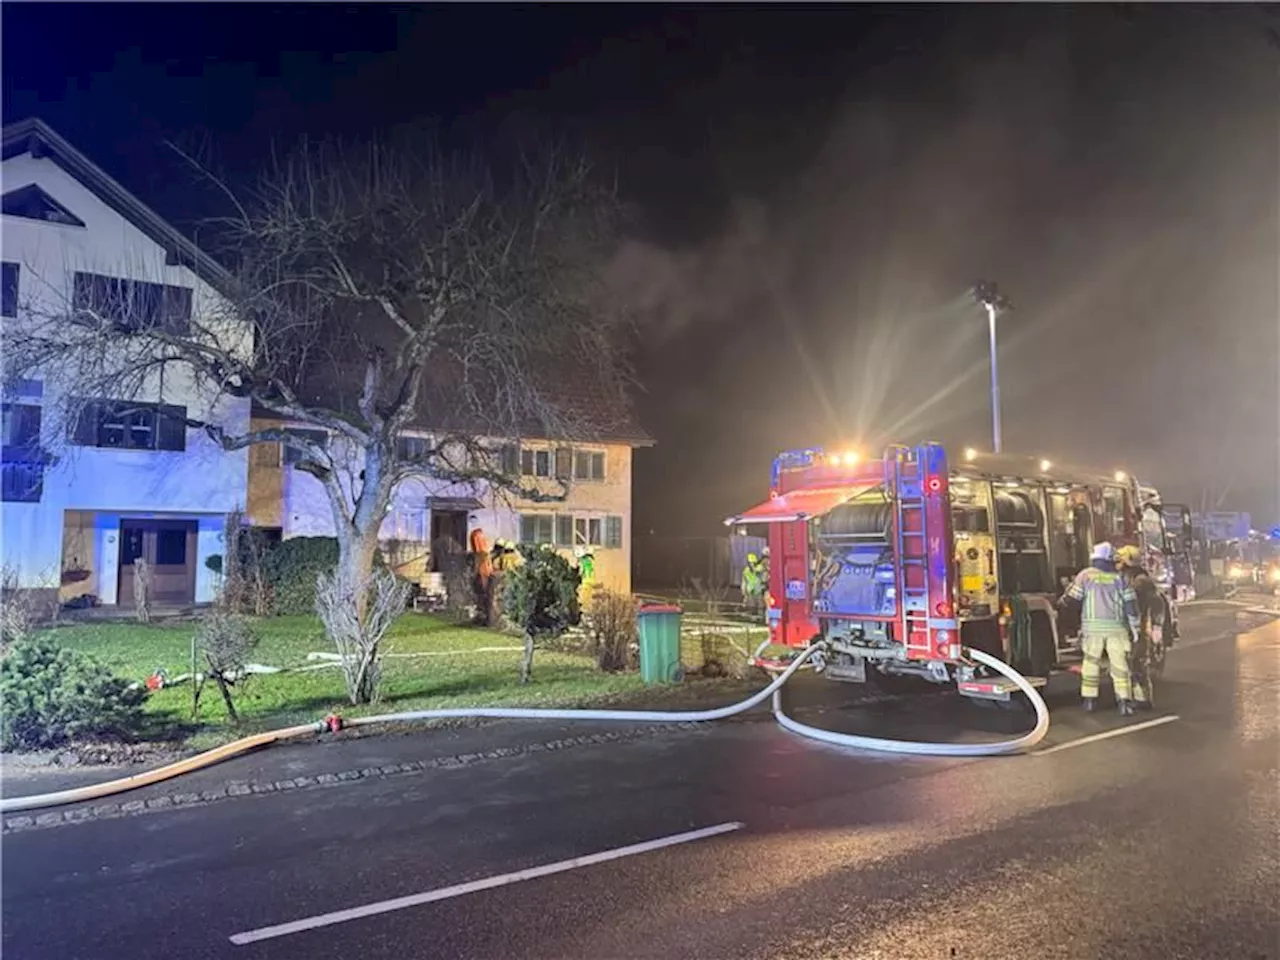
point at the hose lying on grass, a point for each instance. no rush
(774, 690)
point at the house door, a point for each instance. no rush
(169, 546)
(448, 539)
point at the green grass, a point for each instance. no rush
(473, 677)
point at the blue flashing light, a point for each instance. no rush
(1275, 533)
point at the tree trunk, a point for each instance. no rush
(226, 698)
(526, 661)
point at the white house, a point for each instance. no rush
(82, 501)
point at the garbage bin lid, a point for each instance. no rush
(660, 608)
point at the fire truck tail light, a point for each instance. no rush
(935, 484)
(944, 609)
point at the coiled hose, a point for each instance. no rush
(774, 690)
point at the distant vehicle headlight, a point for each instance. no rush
(1235, 571)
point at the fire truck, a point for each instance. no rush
(902, 563)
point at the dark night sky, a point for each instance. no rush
(818, 188)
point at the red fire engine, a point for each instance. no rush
(901, 563)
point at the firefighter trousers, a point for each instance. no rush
(1117, 647)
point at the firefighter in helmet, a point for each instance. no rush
(1108, 620)
(1150, 632)
(754, 580)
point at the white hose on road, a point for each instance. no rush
(919, 748)
(237, 747)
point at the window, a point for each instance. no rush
(536, 528)
(32, 203)
(21, 425)
(21, 481)
(129, 426)
(1113, 512)
(9, 290)
(564, 530)
(171, 548)
(133, 304)
(613, 533)
(412, 448)
(588, 465)
(535, 463)
(564, 463)
(294, 454)
(588, 531)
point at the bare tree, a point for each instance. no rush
(377, 288)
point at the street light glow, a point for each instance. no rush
(970, 454)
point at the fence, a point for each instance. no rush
(661, 563)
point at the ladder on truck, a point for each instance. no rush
(905, 483)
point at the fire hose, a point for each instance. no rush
(774, 690)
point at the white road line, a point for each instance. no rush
(1107, 735)
(474, 886)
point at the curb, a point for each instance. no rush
(233, 789)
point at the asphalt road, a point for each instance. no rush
(1163, 842)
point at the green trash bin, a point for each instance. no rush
(659, 629)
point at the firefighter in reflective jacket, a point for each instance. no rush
(1150, 633)
(1108, 620)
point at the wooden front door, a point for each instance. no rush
(169, 546)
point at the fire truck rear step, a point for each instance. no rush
(995, 688)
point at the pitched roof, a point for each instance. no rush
(36, 137)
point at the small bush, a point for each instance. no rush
(541, 597)
(225, 641)
(611, 629)
(49, 695)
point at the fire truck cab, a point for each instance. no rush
(901, 563)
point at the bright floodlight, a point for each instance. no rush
(1121, 476)
(851, 458)
(970, 454)
(989, 296)
(1044, 466)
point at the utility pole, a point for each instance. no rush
(995, 303)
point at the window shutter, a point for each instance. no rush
(564, 530)
(171, 427)
(613, 532)
(509, 462)
(564, 463)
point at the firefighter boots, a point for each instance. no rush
(1126, 707)
(1089, 703)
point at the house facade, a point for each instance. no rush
(86, 496)
(593, 515)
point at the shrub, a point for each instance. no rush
(18, 614)
(226, 641)
(49, 695)
(611, 629)
(541, 597)
(291, 568)
(359, 638)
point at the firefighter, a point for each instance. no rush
(1150, 622)
(753, 582)
(481, 577)
(1108, 619)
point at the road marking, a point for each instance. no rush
(475, 886)
(1107, 735)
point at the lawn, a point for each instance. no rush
(463, 669)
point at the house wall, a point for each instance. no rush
(202, 482)
(303, 509)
